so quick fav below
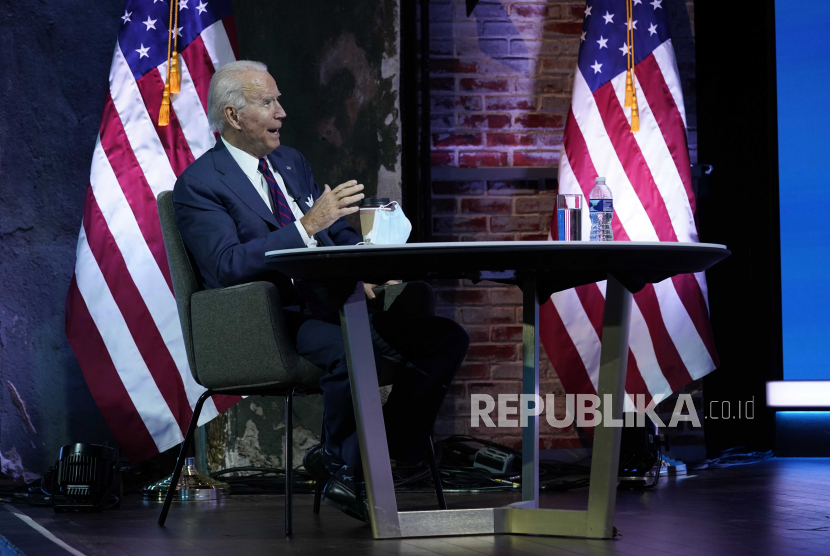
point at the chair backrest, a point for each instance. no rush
(183, 269)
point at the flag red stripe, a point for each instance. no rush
(171, 136)
(594, 304)
(142, 328)
(230, 29)
(578, 156)
(664, 349)
(199, 65)
(104, 383)
(223, 402)
(633, 161)
(583, 167)
(688, 289)
(668, 118)
(133, 184)
(634, 383)
(562, 352)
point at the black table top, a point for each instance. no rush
(557, 265)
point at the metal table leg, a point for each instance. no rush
(530, 387)
(613, 365)
(374, 451)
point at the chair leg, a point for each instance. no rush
(289, 462)
(318, 490)
(436, 475)
(188, 439)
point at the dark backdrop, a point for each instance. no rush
(54, 66)
(738, 135)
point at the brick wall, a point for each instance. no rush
(501, 81)
(501, 84)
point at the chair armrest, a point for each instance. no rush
(240, 337)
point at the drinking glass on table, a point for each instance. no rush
(569, 216)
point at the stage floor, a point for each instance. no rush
(778, 507)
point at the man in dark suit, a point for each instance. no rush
(249, 195)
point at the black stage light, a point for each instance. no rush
(85, 478)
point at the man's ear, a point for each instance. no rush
(232, 116)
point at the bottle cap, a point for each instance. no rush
(600, 180)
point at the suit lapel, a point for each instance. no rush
(238, 182)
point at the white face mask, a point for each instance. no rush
(390, 227)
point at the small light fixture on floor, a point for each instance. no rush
(192, 485)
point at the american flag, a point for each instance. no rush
(121, 317)
(649, 174)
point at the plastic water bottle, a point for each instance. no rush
(601, 206)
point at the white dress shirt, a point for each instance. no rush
(250, 167)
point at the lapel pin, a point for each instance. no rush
(288, 167)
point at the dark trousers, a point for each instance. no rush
(433, 349)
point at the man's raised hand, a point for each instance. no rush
(331, 205)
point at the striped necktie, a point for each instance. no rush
(319, 310)
(283, 211)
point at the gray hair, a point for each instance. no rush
(226, 89)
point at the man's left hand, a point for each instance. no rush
(367, 287)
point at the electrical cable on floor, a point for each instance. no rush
(732, 457)
(455, 457)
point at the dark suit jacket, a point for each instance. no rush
(228, 228)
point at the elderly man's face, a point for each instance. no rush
(261, 119)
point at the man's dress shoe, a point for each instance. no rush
(347, 494)
(341, 490)
(321, 464)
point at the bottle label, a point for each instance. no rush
(601, 205)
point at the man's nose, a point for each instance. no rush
(280, 112)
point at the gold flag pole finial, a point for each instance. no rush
(635, 112)
(164, 112)
(175, 73)
(629, 82)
